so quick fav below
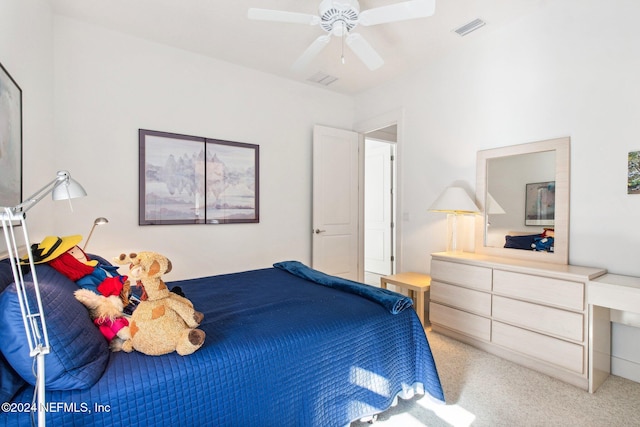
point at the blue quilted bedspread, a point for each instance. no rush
(280, 351)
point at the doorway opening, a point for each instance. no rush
(379, 204)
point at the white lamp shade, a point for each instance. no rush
(100, 220)
(454, 200)
(68, 190)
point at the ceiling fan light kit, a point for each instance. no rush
(339, 18)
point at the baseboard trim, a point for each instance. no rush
(625, 368)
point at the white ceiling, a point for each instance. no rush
(221, 29)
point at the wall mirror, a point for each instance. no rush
(523, 190)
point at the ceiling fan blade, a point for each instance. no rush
(397, 12)
(364, 51)
(282, 16)
(311, 52)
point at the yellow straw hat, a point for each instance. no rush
(51, 248)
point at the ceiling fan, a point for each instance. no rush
(340, 17)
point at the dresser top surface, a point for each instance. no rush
(529, 267)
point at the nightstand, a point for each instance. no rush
(416, 283)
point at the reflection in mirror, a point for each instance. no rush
(507, 181)
(523, 190)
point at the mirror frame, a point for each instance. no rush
(561, 225)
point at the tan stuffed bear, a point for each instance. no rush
(164, 321)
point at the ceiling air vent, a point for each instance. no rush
(469, 27)
(322, 78)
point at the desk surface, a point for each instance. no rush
(615, 291)
(610, 291)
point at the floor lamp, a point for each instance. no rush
(454, 201)
(61, 188)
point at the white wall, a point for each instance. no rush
(108, 85)
(571, 69)
(26, 52)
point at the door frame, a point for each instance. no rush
(394, 117)
(389, 223)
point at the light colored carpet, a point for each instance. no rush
(485, 390)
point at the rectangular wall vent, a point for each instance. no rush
(469, 27)
(322, 78)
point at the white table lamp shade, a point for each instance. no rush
(454, 200)
(493, 207)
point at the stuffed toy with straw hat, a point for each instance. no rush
(104, 292)
(163, 322)
(64, 255)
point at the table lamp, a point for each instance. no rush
(454, 201)
(98, 221)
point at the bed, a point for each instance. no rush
(285, 346)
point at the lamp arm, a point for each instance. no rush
(89, 238)
(32, 317)
(29, 202)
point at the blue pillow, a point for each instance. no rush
(78, 352)
(10, 381)
(6, 274)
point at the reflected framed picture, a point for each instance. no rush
(540, 204)
(10, 140)
(196, 180)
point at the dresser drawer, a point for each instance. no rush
(461, 321)
(555, 351)
(560, 293)
(564, 324)
(463, 298)
(461, 274)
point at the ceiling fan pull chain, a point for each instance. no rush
(343, 31)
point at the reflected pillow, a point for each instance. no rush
(521, 242)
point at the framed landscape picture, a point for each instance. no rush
(195, 180)
(10, 140)
(540, 203)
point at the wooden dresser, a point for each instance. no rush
(532, 313)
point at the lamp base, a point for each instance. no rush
(457, 233)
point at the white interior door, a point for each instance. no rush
(336, 168)
(378, 207)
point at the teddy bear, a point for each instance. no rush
(107, 314)
(164, 321)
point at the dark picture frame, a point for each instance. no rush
(540, 204)
(10, 140)
(195, 180)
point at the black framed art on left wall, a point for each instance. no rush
(10, 140)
